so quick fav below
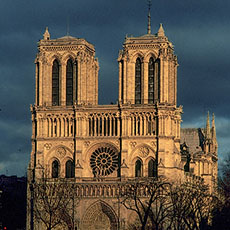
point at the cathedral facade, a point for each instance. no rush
(99, 147)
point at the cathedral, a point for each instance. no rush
(99, 147)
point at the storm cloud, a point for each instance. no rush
(199, 31)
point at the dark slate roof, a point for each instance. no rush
(68, 38)
(193, 137)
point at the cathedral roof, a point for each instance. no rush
(61, 42)
(193, 137)
(68, 38)
(149, 39)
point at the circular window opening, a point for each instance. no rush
(104, 161)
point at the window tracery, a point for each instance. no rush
(104, 161)
(151, 70)
(55, 83)
(138, 71)
(69, 82)
(76, 80)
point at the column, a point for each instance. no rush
(120, 81)
(102, 126)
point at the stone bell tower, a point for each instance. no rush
(66, 78)
(148, 85)
(148, 70)
(66, 72)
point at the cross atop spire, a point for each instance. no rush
(149, 17)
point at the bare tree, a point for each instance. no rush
(192, 206)
(224, 178)
(148, 199)
(221, 212)
(53, 203)
(161, 205)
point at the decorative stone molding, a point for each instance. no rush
(86, 143)
(48, 146)
(104, 161)
(133, 144)
(144, 151)
(71, 145)
(61, 151)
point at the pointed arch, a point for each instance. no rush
(55, 83)
(69, 82)
(55, 169)
(138, 74)
(37, 82)
(138, 168)
(76, 79)
(151, 76)
(69, 169)
(152, 168)
(158, 79)
(99, 215)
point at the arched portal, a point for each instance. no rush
(99, 216)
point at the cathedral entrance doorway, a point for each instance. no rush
(100, 216)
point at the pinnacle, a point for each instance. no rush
(161, 32)
(208, 127)
(46, 35)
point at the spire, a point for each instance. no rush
(149, 19)
(46, 35)
(213, 127)
(208, 127)
(161, 32)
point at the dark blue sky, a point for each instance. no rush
(199, 30)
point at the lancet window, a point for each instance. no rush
(152, 168)
(55, 169)
(69, 166)
(69, 82)
(38, 86)
(76, 80)
(138, 73)
(55, 83)
(138, 168)
(151, 71)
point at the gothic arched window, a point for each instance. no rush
(138, 81)
(69, 82)
(157, 71)
(55, 169)
(152, 168)
(138, 168)
(69, 169)
(151, 81)
(38, 79)
(55, 83)
(76, 80)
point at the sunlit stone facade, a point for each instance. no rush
(100, 147)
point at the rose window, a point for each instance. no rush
(104, 161)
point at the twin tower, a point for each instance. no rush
(73, 136)
(99, 146)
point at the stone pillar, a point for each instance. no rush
(120, 82)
